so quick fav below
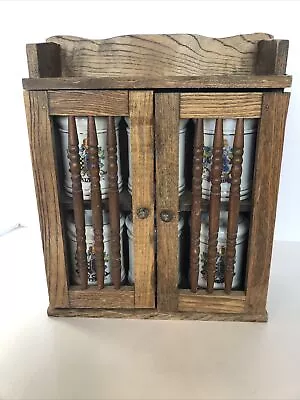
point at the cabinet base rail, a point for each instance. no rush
(154, 314)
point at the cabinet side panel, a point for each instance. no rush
(46, 186)
(167, 204)
(271, 57)
(265, 191)
(43, 60)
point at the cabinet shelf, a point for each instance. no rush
(186, 203)
(167, 82)
(125, 202)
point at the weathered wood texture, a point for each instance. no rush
(166, 150)
(168, 82)
(73, 153)
(105, 298)
(214, 207)
(83, 103)
(196, 205)
(218, 303)
(234, 202)
(178, 54)
(113, 203)
(43, 60)
(96, 201)
(265, 189)
(152, 314)
(177, 62)
(46, 186)
(272, 57)
(220, 105)
(142, 174)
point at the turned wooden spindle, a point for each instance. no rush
(214, 208)
(113, 203)
(77, 202)
(96, 201)
(234, 202)
(196, 205)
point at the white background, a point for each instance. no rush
(32, 22)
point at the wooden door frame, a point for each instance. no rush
(271, 108)
(40, 107)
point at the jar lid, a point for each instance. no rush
(81, 123)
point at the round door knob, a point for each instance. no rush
(142, 212)
(166, 215)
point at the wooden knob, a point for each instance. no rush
(166, 215)
(142, 212)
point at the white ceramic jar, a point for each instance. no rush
(129, 225)
(101, 129)
(242, 233)
(89, 232)
(182, 132)
(250, 127)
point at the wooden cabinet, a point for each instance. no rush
(154, 82)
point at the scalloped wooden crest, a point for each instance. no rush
(159, 55)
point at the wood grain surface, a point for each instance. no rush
(43, 60)
(46, 185)
(92, 102)
(167, 200)
(217, 302)
(272, 57)
(242, 82)
(265, 189)
(153, 314)
(220, 105)
(105, 298)
(142, 175)
(176, 54)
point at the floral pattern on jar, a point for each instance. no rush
(90, 250)
(227, 156)
(101, 129)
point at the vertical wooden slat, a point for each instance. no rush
(234, 202)
(214, 208)
(42, 146)
(113, 202)
(77, 202)
(271, 57)
(166, 146)
(43, 60)
(96, 202)
(265, 189)
(196, 205)
(142, 173)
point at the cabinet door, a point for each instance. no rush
(232, 164)
(83, 202)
